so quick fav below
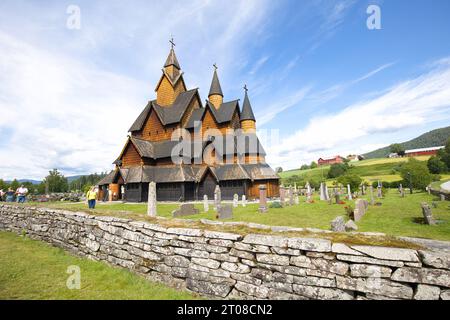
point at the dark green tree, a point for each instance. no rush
(313, 165)
(337, 170)
(350, 179)
(56, 181)
(436, 165)
(417, 173)
(304, 167)
(397, 148)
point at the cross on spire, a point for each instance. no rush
(215, 66)
(172, 42)
(245, 88)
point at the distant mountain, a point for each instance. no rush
(433, 138)
(26, 180)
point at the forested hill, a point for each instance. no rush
(433, 138)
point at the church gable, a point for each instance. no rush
(154, 130)
(130, 156)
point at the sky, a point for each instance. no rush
(75, 74)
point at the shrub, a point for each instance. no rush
(352, 179)
(395, 184)
(417, 173)
(276, 205)
(436, 165)
(337, 170)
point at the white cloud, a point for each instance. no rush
(410, 103)
(66, 103)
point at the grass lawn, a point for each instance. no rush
(32, 269)
(396, 216)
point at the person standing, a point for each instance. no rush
(1, 194)
(10, 195)
(21, 194)
(91, 196)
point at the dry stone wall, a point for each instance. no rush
(232, 266)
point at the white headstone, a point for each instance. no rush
(349, 192)
(244, 200)
(235, 200)
(217, 197)
(205, 203)
(151, 208)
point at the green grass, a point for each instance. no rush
(396, 217)
(32, 269)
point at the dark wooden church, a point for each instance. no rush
(231, 156)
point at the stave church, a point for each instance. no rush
(187, 147)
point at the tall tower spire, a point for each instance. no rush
(215, 95)
(171, 83)
(248, 120)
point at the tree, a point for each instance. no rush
(350, 179)
(445, 154)
(56, 181)
(415, 172)
(436, 165)
(313, 165)
(15, 184)
(337, 170)
(397, 148)
(304, 167)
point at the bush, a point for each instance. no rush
(313, 165)
(337, 170)
(304, 167)
(436, 165)
(417, 173)
(352, 179)
(395, 184)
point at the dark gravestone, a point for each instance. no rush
(361, 206)
(427, 215)
(186, 209)
(225, 211)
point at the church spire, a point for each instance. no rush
(215, 92)
(248, 120)
(172, 58)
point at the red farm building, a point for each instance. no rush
(329, 161)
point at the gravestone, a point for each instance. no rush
(351, 226)
(338, 224)
(349, 191)
(442, 197)
(361, 206)
(225, 211)
(151, 205)
(427, 215)
(186, 209)
(363, 189)
(291, 196)
(327, 195)
(205, 203)
(235, 200)
(296, 199)
(337, 198)
(217, 197)
(262, 198)
(283, 196)
(322, 192)
(372, 200)
(402, 192)
(244, 200)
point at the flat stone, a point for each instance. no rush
(427, 292)
(319, 293)
(338, 224)
(435, 259)
(242, 254)
(337, 267)
(369, 271)
(221, 243)
(437, 277)
(315, 281)
(266, 240)
(176, 261)
(376, 286)
(209, 263)
(185, 232)
(310, 244)
(368, 260)
(302, 261)
(386, 253)
(218, 290)
(257, 291)
(235, 267)
(222, 235)
(273, 259)
(445, 295)
(344, 249)
(251, 247)
(246, 278)
(350, 225)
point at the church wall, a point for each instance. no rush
(130, 157)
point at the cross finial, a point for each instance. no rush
(172, 42)
(245, 88)
(215, 66)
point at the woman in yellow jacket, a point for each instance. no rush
(91, 196)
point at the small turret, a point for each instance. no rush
(215, 95)
(248, 121)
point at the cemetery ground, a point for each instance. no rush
(395, 217)
(35, 270)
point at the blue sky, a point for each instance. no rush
(318, 77)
